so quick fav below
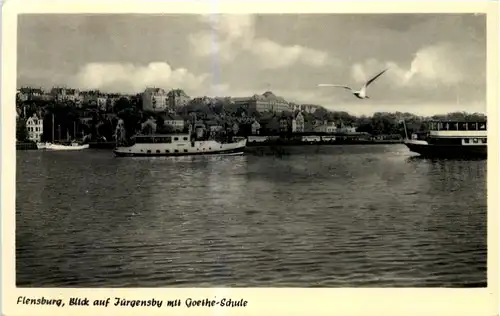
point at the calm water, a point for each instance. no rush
(345, 216)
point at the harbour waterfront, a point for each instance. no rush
(346, 216)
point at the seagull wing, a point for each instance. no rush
(373, 79)
(334, 85)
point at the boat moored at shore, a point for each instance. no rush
(71, 146)
(178, 145)
(451, 139)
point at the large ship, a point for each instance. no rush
(451, 139)
(178, 145)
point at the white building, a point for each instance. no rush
(298, 123)
(34, 126)
(154, 99)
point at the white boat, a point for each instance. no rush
(72, 146)
(41, 146)
(451, 139)
(178, 145)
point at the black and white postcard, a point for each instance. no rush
(245, 159)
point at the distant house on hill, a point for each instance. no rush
(175, 121)
(30, 94)
(65, 94)
(177, 98)
(154, 99)
(267, 102)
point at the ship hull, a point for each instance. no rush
(447, 151)
(234, 152)
(203, 148)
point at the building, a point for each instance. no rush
(65, 94)
(286, 122)
(294, 106)
(255, 128)
(29, 94)
(310, 108)
(34, 127)
(175, 121)
(298, 123)
(154, 99)
(346, 129)
(95, 98)
(326, 127)
(177, 99)
(267, 102)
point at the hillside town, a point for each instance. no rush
(66, 113)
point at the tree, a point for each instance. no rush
(123, 104)
(21, 131)
(160, 121)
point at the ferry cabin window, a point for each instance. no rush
(441, 126)
(483, 140)
(453, 126)
(482, 126)
(176, 138)
(185, 138)
(144, 140)
(163, 140)
(466, 140)
(471, 126)
(462, 126)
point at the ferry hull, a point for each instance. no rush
(180, 148)
(234, 151)
(450, 151)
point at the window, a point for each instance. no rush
(176, 151)
(176, 138)
(149, 151)
(158, 151)
(466, 140)
(185, 150)
(471, 126)
(167, 151)
(475, 140)
(483, 140)
(185, 138)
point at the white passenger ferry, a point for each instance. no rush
(178, 145)
(451, 139)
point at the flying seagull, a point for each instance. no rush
(361, 94)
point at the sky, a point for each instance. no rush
(436, 62)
